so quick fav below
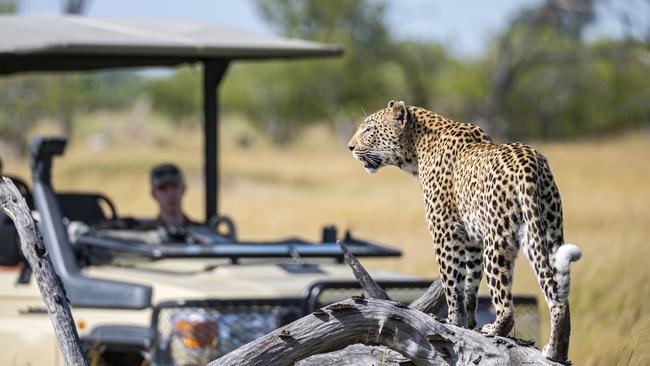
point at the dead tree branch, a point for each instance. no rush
(49, 283)
(367, 282)
(418, 336)
(431, 301)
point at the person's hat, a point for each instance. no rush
(165, 173)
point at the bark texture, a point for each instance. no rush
(49, 283)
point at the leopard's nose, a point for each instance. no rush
(351, 147)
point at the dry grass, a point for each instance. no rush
(273, 192)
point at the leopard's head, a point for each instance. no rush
(380, 139)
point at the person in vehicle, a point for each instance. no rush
(167, 189)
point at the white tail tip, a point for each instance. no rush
(566, 254)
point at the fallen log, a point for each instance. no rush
(432, 300)
(49, 283)
(357, 355)
(416, 335)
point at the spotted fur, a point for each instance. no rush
(483, 202)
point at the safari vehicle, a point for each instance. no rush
(143, 297)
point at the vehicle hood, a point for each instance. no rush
(200, 279)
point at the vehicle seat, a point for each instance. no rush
(90, 208)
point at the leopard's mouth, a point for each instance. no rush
(371, 162)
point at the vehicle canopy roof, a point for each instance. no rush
(51, 43)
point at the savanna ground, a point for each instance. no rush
(274, 192)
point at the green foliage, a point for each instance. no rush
(329, 90)
(7, 6)
(179, 96)
(539, 80)
(553, 84)
(571, 89)
(21, 104)
(283, 97)
(25, 99)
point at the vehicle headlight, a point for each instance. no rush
(196, 336)
(197, 330)
(191, 337)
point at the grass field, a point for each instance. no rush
(272, 192)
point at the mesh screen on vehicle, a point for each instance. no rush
(196, 333)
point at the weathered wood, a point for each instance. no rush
(371, 287)
(49, 283)
(416, 335)
(357, 355)
(432, 300)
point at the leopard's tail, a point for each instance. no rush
(543, 240)
(562, 259)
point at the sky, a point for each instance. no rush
(464, 26)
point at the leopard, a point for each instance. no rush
(483, 202)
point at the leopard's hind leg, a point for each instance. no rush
(450, 242)
(499, 256)
(474, 263)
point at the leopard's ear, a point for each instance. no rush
(400, 112)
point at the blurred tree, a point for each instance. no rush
(178, 96)
(20, 107)
(74, 6)
(634, 20)
(8, 6)
(335, 90)
(422, 64)
(547, 83)
(522, 47)
(16, 102)
(540, 80)
(69, 90)
(25, 99)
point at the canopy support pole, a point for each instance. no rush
(213, 71)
